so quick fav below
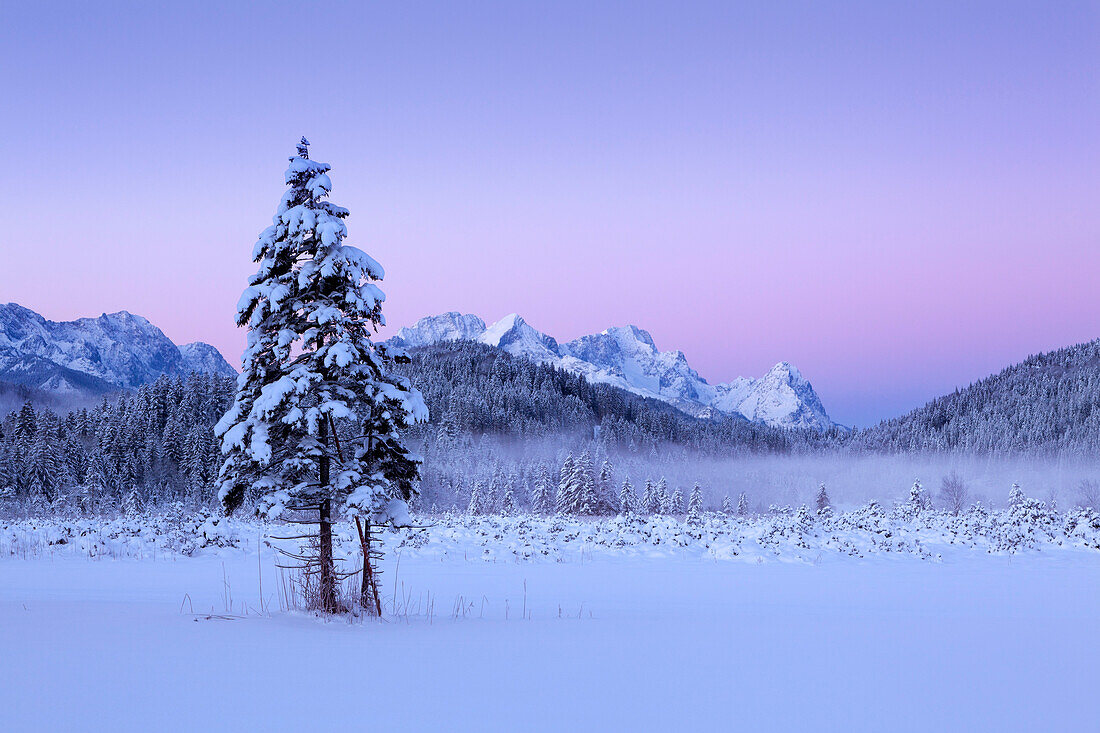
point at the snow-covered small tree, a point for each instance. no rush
(542, 499)
(695, 505)
(491, 495)
(474, 507)
(447, 435)
(676, 503)
(664, 498)
(918, 499)
(508, 505)
(134, 505)
(605, 489)
(727, 505)
(1016, 496)
(566, 488)
(318, 415)
(627, 499)
(651, 503)
(823, 505)
(742, 505)
(1026, 522)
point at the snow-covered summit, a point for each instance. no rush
(115, 349)
(450, 326)
(203, 358)
(784, 394)
(628, 358)
(514, 335)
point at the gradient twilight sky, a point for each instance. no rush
(899, 198)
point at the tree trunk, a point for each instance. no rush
(328, 571)
(368, 589)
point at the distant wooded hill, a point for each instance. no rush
(1049, 403)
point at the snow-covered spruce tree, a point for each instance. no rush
(1016, 496)
(651, 503)
(727, 505)
(579, 496)
(588, 500)
(310, 367)
(664, 498)
(566, 489)
(133, 506)
(606, 500)
(474, 507)
(822, 503)
(627, 499)
(47, 473)
(489, 498)
(542, 499)
(742, 505)
(508, 505)
(676, 503)
(448, 429)
(695, 505)
(918, 500)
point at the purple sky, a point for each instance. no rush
(899, 201)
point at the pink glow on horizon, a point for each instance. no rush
(896, 205)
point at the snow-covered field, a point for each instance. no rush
(503, 624)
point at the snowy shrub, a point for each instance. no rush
(1028, 525)
(1082, 526)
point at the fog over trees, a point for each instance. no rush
(506, 427)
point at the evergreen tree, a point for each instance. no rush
(650, 503)
(310, 363)
(508, 506)
(76, 459)
(94, 488)
(448, 429)
(676, 503)
(542, 501)
(727, 506)
(566, 490)
(822, 502)
(7, 474)
(918, 499)
(664, 499)
(695, 505)
(26, 422)
(134, 506)
(580, 495)
(742, 505)
(605, 489)
(489, 498)
(627, 499)
(47, 467)
(474, 508)
(1016, 496)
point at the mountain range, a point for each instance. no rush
(94, 355)
(627, 357)
(1050, 402)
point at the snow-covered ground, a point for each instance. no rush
(111, 632)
